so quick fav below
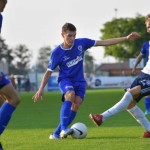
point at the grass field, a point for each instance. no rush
(32, 124)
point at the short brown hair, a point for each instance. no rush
(68, 27)
(147, 18)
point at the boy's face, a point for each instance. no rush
(2, 5)
(148, 25)
(69, 37)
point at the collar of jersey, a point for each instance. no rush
(67, 48)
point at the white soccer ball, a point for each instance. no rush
(79, 130)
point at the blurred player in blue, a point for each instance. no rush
(7, 91)
(68, 57)
(139, 88)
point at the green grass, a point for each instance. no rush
(32, 124)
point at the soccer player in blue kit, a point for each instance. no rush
(139, 88)
(68, 57)
(7, 91)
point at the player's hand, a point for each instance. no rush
(133, 72)
(133, 35)
(38, 95)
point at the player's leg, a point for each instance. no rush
(74, 108)
(80, 93)
(79, 88)
(65, 113)
(140, 117)
(11, 101)
(72, 116)
(121, 105)
(147, 104)
(65, 109)
(137, 93)
(67, 90)
(132, 93)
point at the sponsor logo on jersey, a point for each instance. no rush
(74, 61)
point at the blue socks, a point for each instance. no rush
(147, 104)
(71, 118)
(65, 114)
(6, 111)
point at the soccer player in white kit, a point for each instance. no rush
(139, 88)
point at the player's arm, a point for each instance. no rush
(113, 41)
(2, 5)
(39, 93)
(137, 61)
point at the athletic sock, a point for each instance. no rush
(58, 129)
(137, 113)
(147, 103)
(65, 113)
(71, 118)
(121, 105)
(5, 115)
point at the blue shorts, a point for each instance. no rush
(144, 81)
(3, 80)
(78, 87)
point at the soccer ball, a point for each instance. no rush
(79, 130)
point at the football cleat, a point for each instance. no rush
(147, 112)
(54, 137)
(65, 133)
(96, 118)
(146, 134)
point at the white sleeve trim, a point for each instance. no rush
(95, 43)
(50, 69)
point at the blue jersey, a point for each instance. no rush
(145, 50)
(1, 19)
(70, 61)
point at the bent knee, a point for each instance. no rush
(70, 95)
(14, 101)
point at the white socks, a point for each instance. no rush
(138, 114)
(121, 105)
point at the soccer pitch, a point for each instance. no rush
(32, 123)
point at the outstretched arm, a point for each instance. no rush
(113, 41)
(138, 59)
(44, 81)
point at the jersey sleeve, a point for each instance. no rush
(88, 43)
(53, 62)
(143, 49)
